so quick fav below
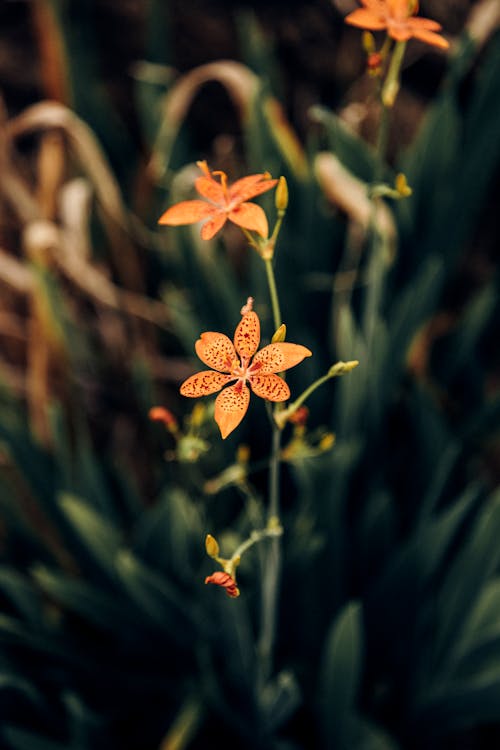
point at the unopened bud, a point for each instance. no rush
(243, 454)
(211, 546)
(402, 186)
(327, 442)
(281, 195)
(374, 63)
(342, 368)
(300, 416)
(279, 335)
(368, 41)
(197, 415)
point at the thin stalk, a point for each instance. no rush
(270, 532)
(272, 568)
(272, 563)
(388, 93)
(381, 144)
(273, 293)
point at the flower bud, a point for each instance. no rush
(327, 442)
(226, 581)
(281, 195)
(197, 415)
(368, 41)
(243, 454)
(211, 546)
(300, 416)
(374, 64)
(342, 368)
(279, 335)
(402, 186)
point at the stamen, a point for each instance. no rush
(223, 182)
(204, 167)
(248, 307)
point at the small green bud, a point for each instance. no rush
(368, 41)
(279, 335)
(281, 195)
(402, 186)
(342, 368)
(211, 546)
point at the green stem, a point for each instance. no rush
(391, 84)
(388, 94)
(336, 370)
(273, 293)
(272, 563)
(305, 394)
(272, 569)
(272, 531)
(381, 144)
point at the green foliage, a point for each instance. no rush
(389, 612)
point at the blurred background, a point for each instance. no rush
(389, 607)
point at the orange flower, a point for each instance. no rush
(234, 362)
(222, 202)
(396, 17)
(226, 581)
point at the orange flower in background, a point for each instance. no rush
(223, 202)
(396, 16)
(236, 362)
(226, 581)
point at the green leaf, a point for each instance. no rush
(279, 699)
(340, 676)
(470, 571)
(107, 611)
(20, 592)
(168, 608)
(460, 705)
(99, 540)
(354, 152)
(9, 681)
(170, 535)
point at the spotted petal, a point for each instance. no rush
(187, 212)
(279, 357)
(250, 216)
(270, 387)
(210, 189)
(214, 225)
(249, 187)
(217, 351)
(230, 407)
(247, 335)
(204, 383)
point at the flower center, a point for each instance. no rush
(245, 370)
